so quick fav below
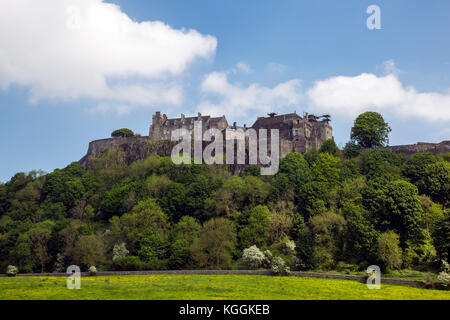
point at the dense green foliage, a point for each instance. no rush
(370, 130)
(124, 132)
(320, 211)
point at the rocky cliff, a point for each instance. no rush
(135, 148)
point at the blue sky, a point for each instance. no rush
(244, 59)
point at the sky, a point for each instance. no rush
(72, 71)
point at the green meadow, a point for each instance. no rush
(206, 287)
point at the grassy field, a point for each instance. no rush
(206, 287)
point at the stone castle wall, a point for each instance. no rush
(435, 148)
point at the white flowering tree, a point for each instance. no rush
(120, 251)
(253, 257)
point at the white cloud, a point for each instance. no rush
(390, 68)
(276, 67)
(244, 67)
(223, 97)
(67, 49)
(353, 95)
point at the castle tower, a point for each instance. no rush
(156, 133)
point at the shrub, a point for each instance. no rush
(444, 280)
(289, 247)
(129, 263)
(389, 251)
(267, 259)
(352, 149)
(323, 259)
(253, 258)
(346, 268)
(59, 263)
(416, 254)
(279, 267)
(120, 251)
(444, 276)
(12, 271)
(92, 270)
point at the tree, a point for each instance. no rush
(174, 202)
(352, 149)
(379, 162)
(395, 205)
(280, 226)
(256, 232)
(3, 199)
(253, 257)
(389, 251)
(124, 132)
(329, 146)
(370, 130)
(328, 229)
(313, 198)
(196, 194)
(185, 233)
(247, 191)
(115, 200)
(433, 212)
(326, 169)
(217, 239)
(435, 182)
(151, 245)
(442, 238)
(404, 209)
(305, 249)
(156, 186)
(414, 167)
(89, 251)
(61, 186)
(360, 234)
(145, 215)
(120, 251)
(296, 168)
(40, 235)
(252, 170)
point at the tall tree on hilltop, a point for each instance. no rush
(370, 130)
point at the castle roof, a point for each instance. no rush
(274, 120)
(206, 119)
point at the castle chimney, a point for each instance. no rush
(199, 115)
(156, 118)
(182, 117)
(245, 126)
(234, 125)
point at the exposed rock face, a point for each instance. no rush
(135, 148)
(435, 148)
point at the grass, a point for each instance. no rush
(405, 274)
(205, 287)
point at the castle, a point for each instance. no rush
(297, 134)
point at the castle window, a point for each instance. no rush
(296, 132)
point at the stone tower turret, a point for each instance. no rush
(156, 126)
